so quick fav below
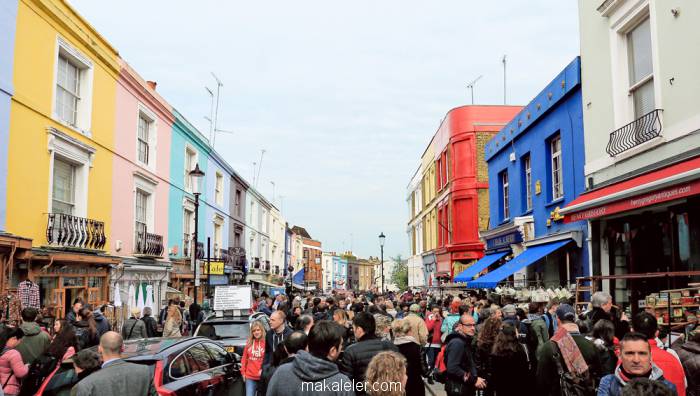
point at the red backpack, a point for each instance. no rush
(440, 370)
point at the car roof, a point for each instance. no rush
(243, 319)
(157, 348)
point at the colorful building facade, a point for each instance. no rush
(8, 18)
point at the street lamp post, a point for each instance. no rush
(196, 174)
(382, 238)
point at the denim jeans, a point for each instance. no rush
(432, 353)
(250, 386)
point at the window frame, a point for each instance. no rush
(527, 181)
(190, 152)
(556, 173)
(219, 188)
(73, 175)
(84, 80)
(151, 139)
(505, 195)
(644, 81)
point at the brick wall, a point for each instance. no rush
(482, 171)
(483, 196)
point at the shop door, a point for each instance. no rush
(94, 296)
(58, 299)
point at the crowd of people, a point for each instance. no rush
(396, 344)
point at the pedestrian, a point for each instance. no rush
(636, 362)
(12, 367)
(509, 366)
(34, 341)
(279, 331)
(134, 328)
(484, 345)
(252, 359)
(646, 387)
(433, 323)
(462, 375)
(567, 351)
(387, 375)
(196, 315)
(510, 315)
(86, 329)
(305, 323)
(416, 368)
(418, 327)
(185, 326)
(451, 318)
(117, 377)
(602, 336)
(603, 309)
(72, 316)
(689, 353)
(101, 321)
(645, 323)
(383, 327)
(173, 322)
(390, 309)
(358, 355)
(63, 346)
(297, 341)
(340, 316)
(534, 330)
(149, 322)
(314, 371)
(550, 317)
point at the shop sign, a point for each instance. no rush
(218, 280)
(75, 270)
(232, 297)
(639, 201)
(216, 268)
(504, 240)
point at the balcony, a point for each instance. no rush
(64, 230)
(187, 246)
(641, 130)
(147, 244)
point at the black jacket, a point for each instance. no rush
(414, 369)
(267, 373)
(151, 326)
(510, 375)
(272, 339)
(357, 357)
(596, 314)
(459, 359)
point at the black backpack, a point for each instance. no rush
(39, 370)
(530, 342)
(572, 384)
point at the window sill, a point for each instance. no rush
(73, 128)
(527, 212)
(554, 202)
(504, 221)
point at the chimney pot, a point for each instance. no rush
(152, 84)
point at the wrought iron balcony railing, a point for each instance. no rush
(148, 244)
(635, 133)
(66, 230)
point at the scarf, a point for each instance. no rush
(570, 352)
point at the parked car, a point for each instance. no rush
(230, 331)
(180, 367)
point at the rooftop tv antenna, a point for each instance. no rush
(471, 86)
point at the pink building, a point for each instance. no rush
(142, 167)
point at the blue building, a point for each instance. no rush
(340, 273)
(535, 166)
(8, 18)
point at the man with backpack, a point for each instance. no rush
(458, 359)
(35, 341)
(568, 359)
(534, 332)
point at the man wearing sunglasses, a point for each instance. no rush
(462, 376)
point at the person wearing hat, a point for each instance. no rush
(134, 328)
(573, 351)
(418, 326)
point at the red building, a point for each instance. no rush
(461, 183)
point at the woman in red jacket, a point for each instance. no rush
(433, 322)
(253, 355)
(12, 368)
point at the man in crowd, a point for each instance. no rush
(117, 377)
(462, 378)
(314, 371)
(418, 327)
(636, 357)
(645, 323)
(550, 316)
(72, 316)
(603, 309)
(580, 354)
(357, 357)
(279, 331)
(35, 342)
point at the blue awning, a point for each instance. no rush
(298, 278)
(529, 256)
(469, 273)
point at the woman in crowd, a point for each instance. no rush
(86, 329)
(63, 346)
(385, 372)
(296, 313)
(12, 368)
(340, 317)
(484, 345)
(173, 322)
(252, 359)
(134, 328)
(602, 336)
(409, 348)
(85, 363)
(509, 364)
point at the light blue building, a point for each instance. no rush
(8, 18)
(340, 273)
(535, 166)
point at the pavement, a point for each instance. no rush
(436, 389)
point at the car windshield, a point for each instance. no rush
(217, 331)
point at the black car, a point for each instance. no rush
(230, 331)
(180, 367)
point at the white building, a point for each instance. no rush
(277, 230)
(327, 268)
(389, 265)
(257, 236)
(416, 272)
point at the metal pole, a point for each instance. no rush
(194, 249)
(383, 288)
(504, 79)
(208, 265)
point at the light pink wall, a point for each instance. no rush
(132, 90)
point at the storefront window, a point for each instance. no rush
(46, 287)
(73, 281)
(95, 281)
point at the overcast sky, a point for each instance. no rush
(343, 96)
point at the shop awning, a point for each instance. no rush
(301, 287)
(529, 256)
(298, 278)
(265, 283)
(670, 183)
(469, 273)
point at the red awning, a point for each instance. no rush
(667, 184)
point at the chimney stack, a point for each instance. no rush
(152, 84)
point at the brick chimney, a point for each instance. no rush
(152, 84)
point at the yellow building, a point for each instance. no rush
(62, 121)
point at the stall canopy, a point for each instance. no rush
(529, 256)
(469, 273)
(299, 277)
